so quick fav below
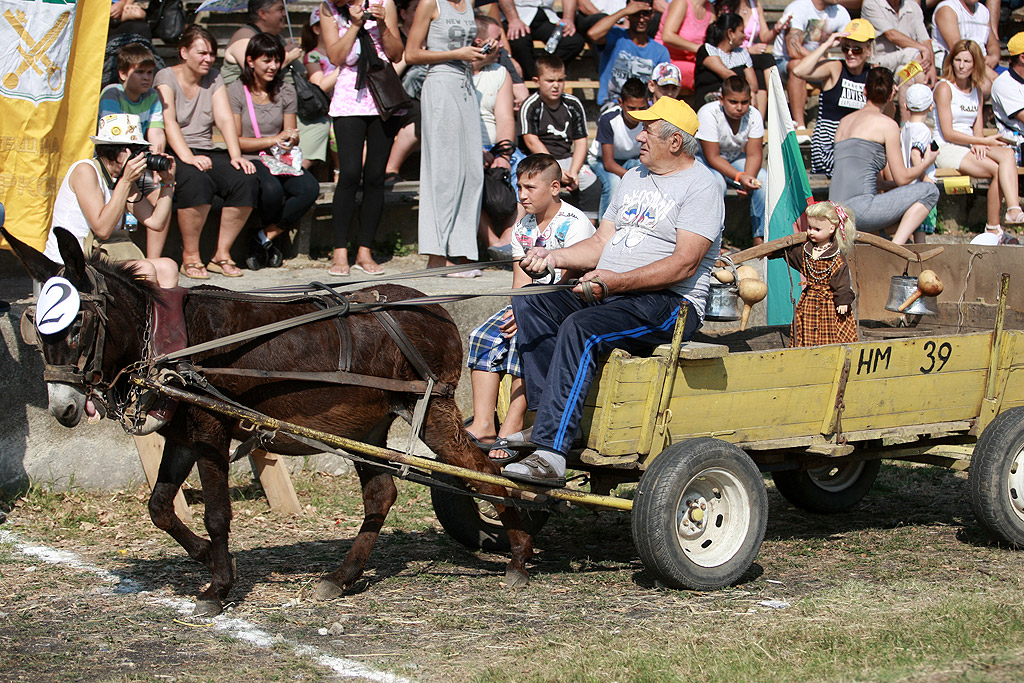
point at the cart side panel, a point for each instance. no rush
(621, 405)
(754, 396)
(916, 381)
(1010, 388)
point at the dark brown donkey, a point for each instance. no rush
(199, 437)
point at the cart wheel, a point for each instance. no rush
(699, 514)
(474, 523)
(996, 478)
(830, 488)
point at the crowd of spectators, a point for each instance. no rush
(482, 94)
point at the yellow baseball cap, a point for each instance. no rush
(1016, 44)
(679, 114)
(860, 30)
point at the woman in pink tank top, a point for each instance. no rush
(682, 31)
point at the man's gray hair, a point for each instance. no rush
(666, 130)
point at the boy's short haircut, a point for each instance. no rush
(539, 164)
(133, 56)
(735, 85)
(550, 62)
(633, 89)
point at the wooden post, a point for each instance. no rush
(276, 481)
(151, 450)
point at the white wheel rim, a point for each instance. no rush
(836, 478)
(1015, 485)
(724, 521)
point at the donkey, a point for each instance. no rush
(195, 436)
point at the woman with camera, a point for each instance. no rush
(194, 99)
(97, 195)
(264, 109)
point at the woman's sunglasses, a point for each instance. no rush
(852, 49)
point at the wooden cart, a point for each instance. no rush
(696, 424)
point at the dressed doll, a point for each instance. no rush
(824, 313)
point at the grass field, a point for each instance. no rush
(903, 588)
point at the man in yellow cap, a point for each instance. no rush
(902, 36)
(654, 248)
(1008, 93)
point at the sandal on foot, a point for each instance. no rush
(221, 267)
(337, 271)
(369, 270)
(1019, 214)
(194, 268)
(482, 445)
(503, 451)
(540, 473)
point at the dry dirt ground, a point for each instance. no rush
(903, 588)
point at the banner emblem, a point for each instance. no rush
(35, 50)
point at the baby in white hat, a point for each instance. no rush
(915, 135)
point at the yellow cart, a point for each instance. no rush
(696, 424)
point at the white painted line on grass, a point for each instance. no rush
(239, 629)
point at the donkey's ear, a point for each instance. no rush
(74, 259)
(37, 265)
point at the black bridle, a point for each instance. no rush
(87, 337)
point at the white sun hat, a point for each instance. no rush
(119, 129)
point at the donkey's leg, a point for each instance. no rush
(213, 471)
(444, 434)
(175, 466)
(379, 494)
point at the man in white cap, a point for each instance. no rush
(1008, 93)
(652, 252)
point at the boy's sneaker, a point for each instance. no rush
(263, 255)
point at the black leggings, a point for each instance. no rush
(350, 132)
(284, 199)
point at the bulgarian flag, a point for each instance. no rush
(787, 194)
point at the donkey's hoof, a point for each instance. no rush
(516, 578)
(327, 590)
(207, 608)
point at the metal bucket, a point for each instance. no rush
(901, 287)
(723, 302)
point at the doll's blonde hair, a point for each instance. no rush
(840, 217)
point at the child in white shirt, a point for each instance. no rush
(915, 139)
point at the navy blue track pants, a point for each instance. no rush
(561, 338)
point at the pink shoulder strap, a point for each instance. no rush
(252, 112)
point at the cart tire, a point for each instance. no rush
(712, 552)
(996, 478)
(828, 489)
(474, 523)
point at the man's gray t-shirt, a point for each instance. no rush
(648, 209)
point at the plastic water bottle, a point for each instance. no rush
(131, 223)
(556, 37)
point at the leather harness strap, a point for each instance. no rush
(339, 377)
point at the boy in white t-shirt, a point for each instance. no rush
(615, 149)
(731, 134)
(548, 222)
(915, 139)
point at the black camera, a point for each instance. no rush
(487, 48)
(157, 162)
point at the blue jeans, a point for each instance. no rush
(609, 181)
(756, 197)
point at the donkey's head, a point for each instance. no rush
(83, 355)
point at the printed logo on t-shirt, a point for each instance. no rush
(564, 133)
(816, 31)
(640, 212)
(852, 95)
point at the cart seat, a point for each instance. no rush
(692, 350)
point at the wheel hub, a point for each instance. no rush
(692, 518)
(1015, 484)
(712, 517)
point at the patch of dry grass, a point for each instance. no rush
(903, 587)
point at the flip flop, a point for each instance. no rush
(540, 473)
(218, 267)
(337, 273)
(368, 272)
(504, 451)
(197, 267)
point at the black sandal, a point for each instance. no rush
(504, 451)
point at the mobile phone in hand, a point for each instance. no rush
(935, 146)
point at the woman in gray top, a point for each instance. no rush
(451, 163)
(868, 141)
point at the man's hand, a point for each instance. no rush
(569, 28)
(517, 29)
(612, 280)
(569, 182)
(537, 261)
